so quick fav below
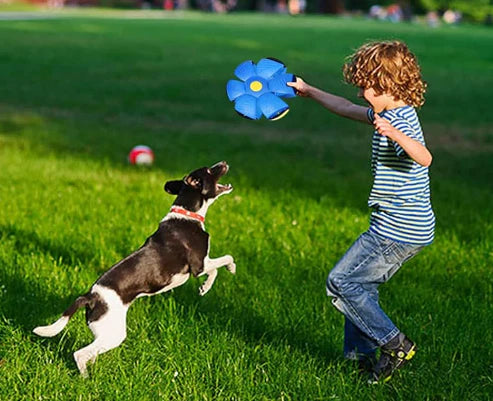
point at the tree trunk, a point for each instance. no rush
(331, 6)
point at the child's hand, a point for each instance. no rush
(301, 87)
(384, 127)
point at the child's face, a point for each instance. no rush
(379, 103)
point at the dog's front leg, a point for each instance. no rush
(210, 268)
(213, 264)
(207, 285)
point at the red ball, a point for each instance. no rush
(141, 155)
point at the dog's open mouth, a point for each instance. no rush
(220, 189)
(218, 170)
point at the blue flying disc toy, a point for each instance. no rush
(261, 88)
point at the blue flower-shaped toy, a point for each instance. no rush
(260, 89)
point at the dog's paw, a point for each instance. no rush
(204, 289)
(231, 267)
(81, 361)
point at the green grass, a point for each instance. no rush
(77, 92)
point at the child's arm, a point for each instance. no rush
(335, 104)
(415, 150)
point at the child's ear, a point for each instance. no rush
(174, 187)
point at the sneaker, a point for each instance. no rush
(394, 355)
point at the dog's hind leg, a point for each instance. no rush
(107, 321)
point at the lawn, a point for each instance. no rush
(79, 90)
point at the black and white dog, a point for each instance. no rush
(178, 249)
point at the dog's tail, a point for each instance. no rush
(59, 325)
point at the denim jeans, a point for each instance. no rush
(353, 283)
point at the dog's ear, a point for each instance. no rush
(174, 187)
(195, 183)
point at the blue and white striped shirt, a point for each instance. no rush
(400, 196)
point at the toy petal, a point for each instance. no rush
(246, 106)
(272, 107)
(235, 89)
(277, 85)
(268, 67)
(246, 70)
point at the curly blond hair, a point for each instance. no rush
(387, 67)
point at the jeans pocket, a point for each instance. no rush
(398, 253)
(390, 272)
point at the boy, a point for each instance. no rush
(402, 220)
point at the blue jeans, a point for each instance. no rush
(353, 283)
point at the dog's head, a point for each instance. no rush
(200, 188)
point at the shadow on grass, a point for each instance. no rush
(30, 241)
(244, 322)
(31, 303)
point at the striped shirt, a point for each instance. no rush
(400, 196)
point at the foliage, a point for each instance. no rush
(477, 10)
